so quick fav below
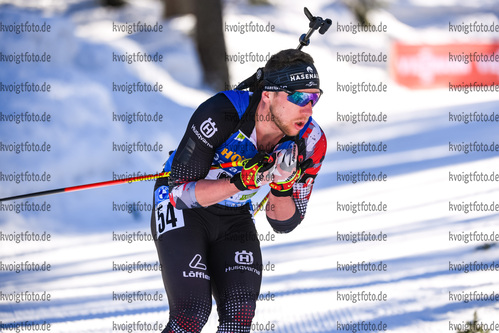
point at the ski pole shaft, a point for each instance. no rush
(262, 204)
(111, 182)
(87, 186)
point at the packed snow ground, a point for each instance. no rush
(304, 288)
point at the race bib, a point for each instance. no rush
(167, 217)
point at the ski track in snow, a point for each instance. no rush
(306, 282)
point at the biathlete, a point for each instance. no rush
(203, 224)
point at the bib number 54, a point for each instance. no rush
(167, 218)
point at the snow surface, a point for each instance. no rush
(305, 279)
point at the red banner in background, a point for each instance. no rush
(438, 66)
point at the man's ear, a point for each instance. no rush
(267, 95)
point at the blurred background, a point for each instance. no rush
(428, 54)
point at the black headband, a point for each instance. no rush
(294, 77)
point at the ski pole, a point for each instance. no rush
(112, 182)
(261, 204)
(87, 186)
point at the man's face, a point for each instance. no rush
(287, 116)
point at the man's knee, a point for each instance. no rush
(188, 316)
(236, 315)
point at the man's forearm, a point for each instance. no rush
(283, 208)
(209, 192)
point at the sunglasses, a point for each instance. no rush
(302, 98)
(297, 97)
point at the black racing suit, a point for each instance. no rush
(214, 250)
